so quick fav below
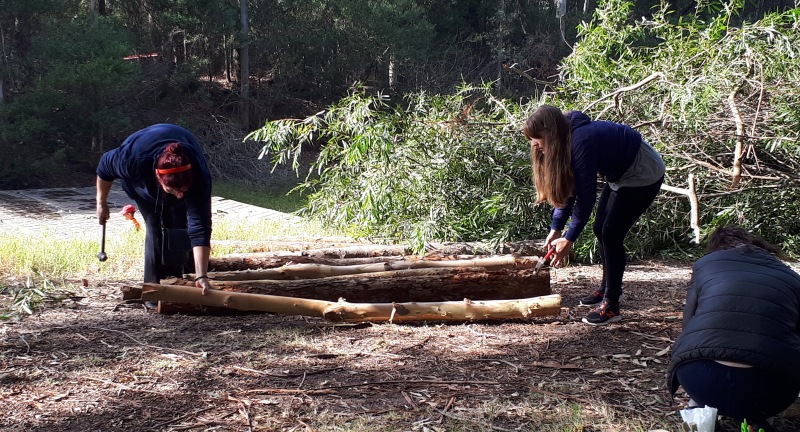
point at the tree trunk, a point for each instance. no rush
(315, 271)
(420, 285)
(244, 62)
(341, 255)
(465, 310)
(244, 262)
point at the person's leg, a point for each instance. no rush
(623, 208)
(152, 240)
(174, 215)
(597, 295)
(753, 394)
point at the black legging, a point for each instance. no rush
(617, 211)
(174, 214)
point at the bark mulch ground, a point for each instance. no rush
(92, 363)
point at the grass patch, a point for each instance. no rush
(278, 199)
(34, 266)
(53, 256)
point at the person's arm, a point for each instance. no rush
(101, 197)
(584, 169)
(201, 255)
(691, 301)
(198, 207)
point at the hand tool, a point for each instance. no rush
(102, 255)
(544, 259)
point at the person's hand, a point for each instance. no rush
(203, 283)
(563, 249)
(548, 242)
(102, 212)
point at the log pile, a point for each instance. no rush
(358, 284)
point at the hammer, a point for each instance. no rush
(102, 255)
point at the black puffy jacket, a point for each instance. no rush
(743, 305)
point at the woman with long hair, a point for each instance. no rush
(163, 169)
(568, 151)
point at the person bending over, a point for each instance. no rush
(163, 169)
(568, 151)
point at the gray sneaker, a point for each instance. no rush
(593, 299)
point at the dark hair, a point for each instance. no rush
(732, 236)
(174, 156)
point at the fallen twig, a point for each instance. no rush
(465, 419)
(123, 386)
(177, 419)
(202, 354)
(288, 375)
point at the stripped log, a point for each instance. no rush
(364, 253)
(424, 285)
(464, 310)
(267, 260)
(315, 271)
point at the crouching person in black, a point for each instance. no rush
(739, 350)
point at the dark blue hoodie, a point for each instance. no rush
(134, 163)
(598, 147)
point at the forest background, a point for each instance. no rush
(402, 117)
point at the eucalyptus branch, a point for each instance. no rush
(654, 76)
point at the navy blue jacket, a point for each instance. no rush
(134, 162)
(743, 306)
(598, 147)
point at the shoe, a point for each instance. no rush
(593, 299)
(606, 313)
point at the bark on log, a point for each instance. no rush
(131, 292)
(420, 285)
(365, 253)
(239, 262)
(315, 271)
(347, 312)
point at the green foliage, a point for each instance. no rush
(279, 199)
(435, 168)
(81, 70)
(318, 49)
(454, 167)
(701, 62)
(26, 297)
(80, 75)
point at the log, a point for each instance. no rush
(364, 253)
(465, 310)
(249, 261)
(315, 271)
(420, 285)
(358, 251)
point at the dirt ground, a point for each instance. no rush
(93, 363)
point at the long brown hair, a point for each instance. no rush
(552, 172)
(174, 156)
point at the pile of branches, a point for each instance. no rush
(717, 99)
